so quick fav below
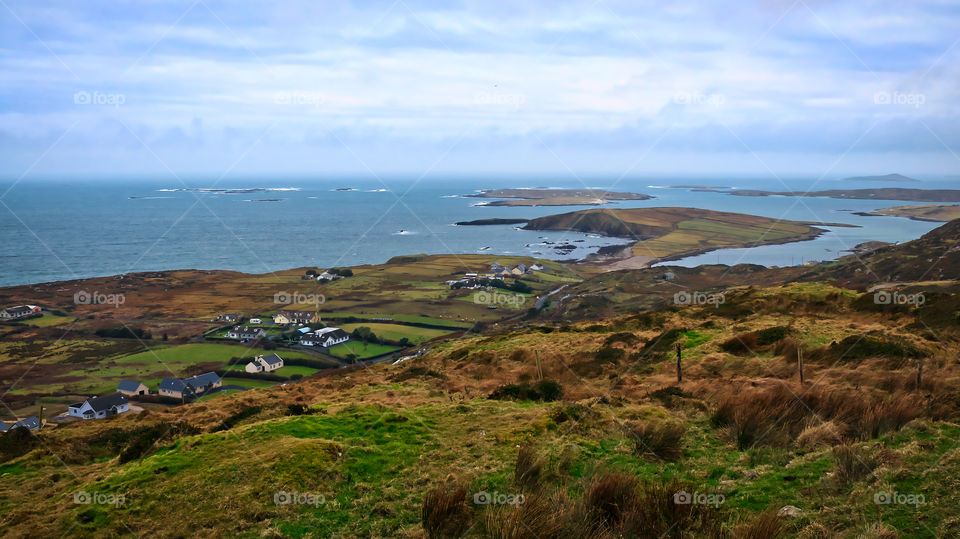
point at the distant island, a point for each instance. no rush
(494, 221)
(672, 233)
(937, 213)
(883, 193)
(554, 197)
(897, 178)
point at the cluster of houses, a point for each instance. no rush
(495, 271)
(19, 311)
(326, 337)
(31, 423)
(189, 387)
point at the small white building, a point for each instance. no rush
(100, 407)
(264, 364)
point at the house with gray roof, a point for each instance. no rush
(100, 407)
(131, 388)
(31, 423)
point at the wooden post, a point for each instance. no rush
(679, 366)
(919, 373)
(800, 363)
(40, 419)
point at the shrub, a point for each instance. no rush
(529, 467)
(766, 525)
(537, 517)
(851, 464)
(661, 438)
(444, 512)
(545, 391)
(624, 337)
(611, 497)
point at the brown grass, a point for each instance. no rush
(445, 512)
(661, 438)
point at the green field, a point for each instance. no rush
(48, 320)
(361, 351)
(409, 318)
(288, 370)
(395, 332)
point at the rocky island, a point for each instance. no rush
(554, 197)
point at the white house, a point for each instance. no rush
(325, 337)
(256, 321)
(20, 311)
(245, 333)
(100, 407)
(264, 364)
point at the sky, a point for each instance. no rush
(150, 88)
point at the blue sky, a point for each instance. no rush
(149, 88)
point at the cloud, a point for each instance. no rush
(202, 81)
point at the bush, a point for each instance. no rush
(529, 467)
(444, 512)
(851, 464)
(237, 417)
(661, 438)
(766, 525)
(544, 391)
(123, 332)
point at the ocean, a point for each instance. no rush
(53, 230)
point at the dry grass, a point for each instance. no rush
(445, 512)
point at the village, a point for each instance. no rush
(276, 348)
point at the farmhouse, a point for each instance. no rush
(520, 269)
(131, 388)
(295, 317)
(325, 337)
(245, 333)
(100, 407)
(229, 318)
(264, 364)
(20, 311)
(171, 387)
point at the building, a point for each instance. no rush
(100, 407)
(536, 267)
(325, 337)
(256, 321)
(20, 311)
(171, 387)
(189, 387)
(130, 388)
(520, 269)
(246, 333)
(32, 423)
(230, 318)
(265, 364)
(295, 317)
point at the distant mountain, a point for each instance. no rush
(898, 178)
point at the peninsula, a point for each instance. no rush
(669, 233)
